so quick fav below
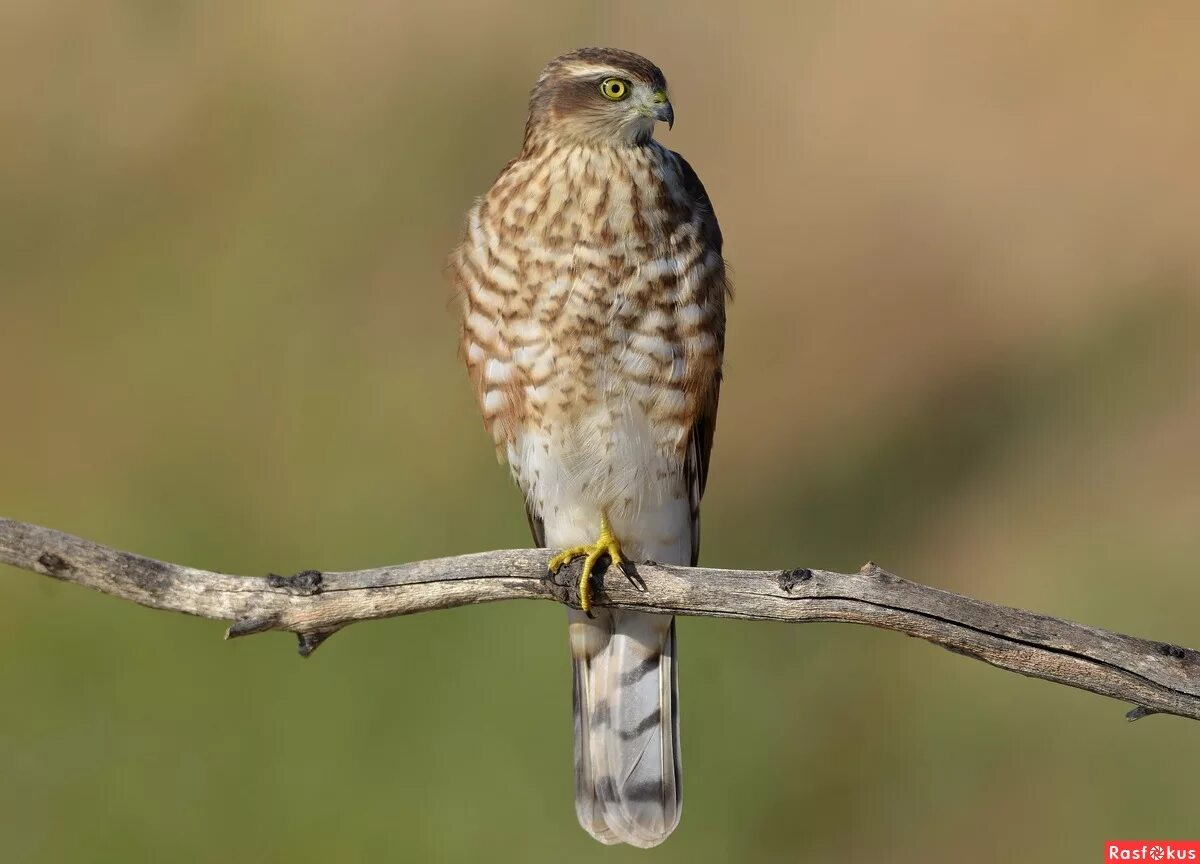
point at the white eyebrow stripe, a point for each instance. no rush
(583, 69)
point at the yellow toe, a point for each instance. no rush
(606, 544)
(566, 556)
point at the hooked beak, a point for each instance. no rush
(663, 110)
(666, 114)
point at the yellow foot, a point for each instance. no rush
(606, 544)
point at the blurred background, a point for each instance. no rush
(964, 344)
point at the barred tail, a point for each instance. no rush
(627, 772)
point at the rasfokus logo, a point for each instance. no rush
(1152, 850)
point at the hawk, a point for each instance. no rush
(593, 306)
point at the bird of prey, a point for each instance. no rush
(593, 303)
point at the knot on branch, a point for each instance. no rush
(1173, 651)
(563, 586)
(53, 564)
(876, 572)
(306, 583)
(789, 579)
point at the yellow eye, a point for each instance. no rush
(614, 89)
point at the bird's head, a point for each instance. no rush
(599, 96)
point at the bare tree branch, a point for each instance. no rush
(1159, 678)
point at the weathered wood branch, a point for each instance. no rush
(1159, 678)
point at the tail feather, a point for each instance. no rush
(627, 771)
(588, 640)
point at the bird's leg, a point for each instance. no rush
(606, 544)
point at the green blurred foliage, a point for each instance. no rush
(963, 345)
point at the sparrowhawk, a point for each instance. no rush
(593, 300)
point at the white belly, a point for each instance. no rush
(608, 462)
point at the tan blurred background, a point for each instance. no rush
(964, 344)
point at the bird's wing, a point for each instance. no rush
(717, 283)
(537, 525)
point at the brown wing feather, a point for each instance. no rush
(701, 440)
(537, 526)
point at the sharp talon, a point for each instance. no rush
(629, 571)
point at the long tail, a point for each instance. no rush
(627, 773)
